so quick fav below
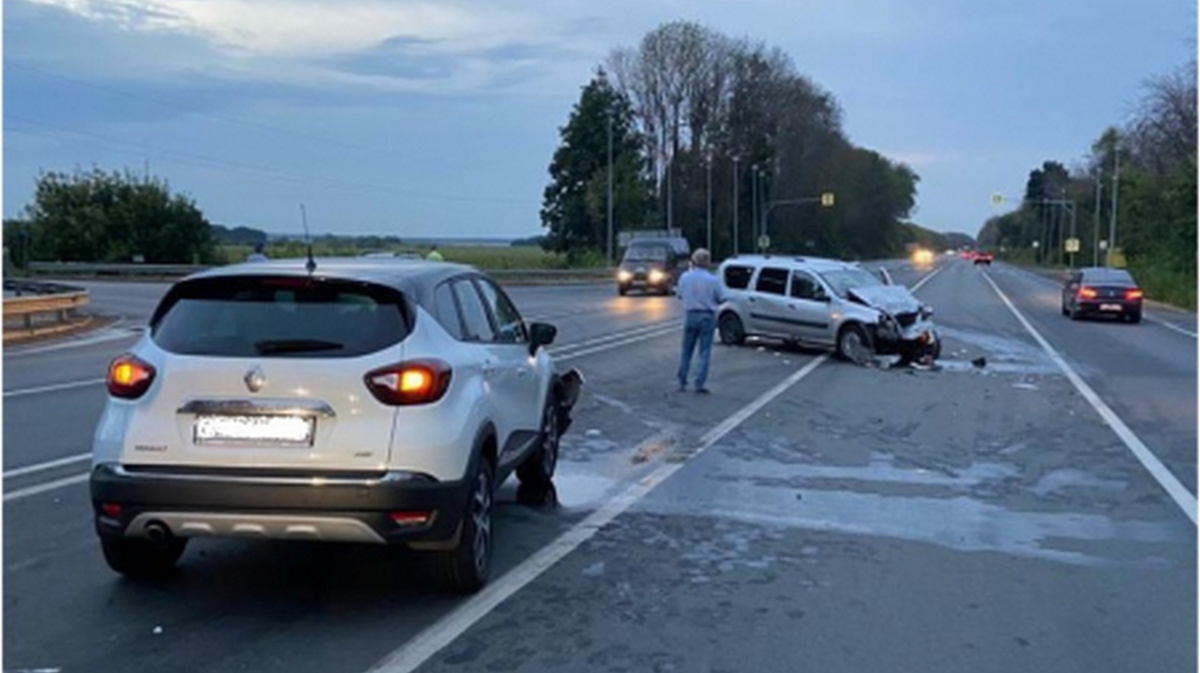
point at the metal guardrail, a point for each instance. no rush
(65, 269)
(37, 304)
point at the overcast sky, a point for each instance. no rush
(439, 117)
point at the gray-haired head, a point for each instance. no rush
(701, 258)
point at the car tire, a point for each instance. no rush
(140, 558)
(731, 330)
(846, 339)
(622, 290)
(537, 470)
(1134, 318)
(1064, 309)
(465, 568)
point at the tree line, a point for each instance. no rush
(1149, 165)
(698, 121)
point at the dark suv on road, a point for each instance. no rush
(653, 265)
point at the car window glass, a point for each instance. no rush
(509, 326)
(738, 277)
(476, 325)
(772, 281)
(805, 287)
(445, 311)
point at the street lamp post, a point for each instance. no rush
(1112, 217)
(737, 206)
(609, 238)
(754, 203)
(1096, 223)
(708, 199)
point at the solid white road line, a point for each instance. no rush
(928, 277)
(1171, 326)
(49, 465)
(1177, 491)
(444, 631)
(617, 344)
(42, 488)
(52, 388)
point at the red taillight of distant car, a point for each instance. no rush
(408, 383)
(1088, 293)
(129, 377)
(1134, 294)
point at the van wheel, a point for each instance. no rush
(536, 471)
(465, 568)
(139, 558)
(853, 344)
(731, 330)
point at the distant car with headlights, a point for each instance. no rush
(364, 401)
(1101, 291)
(652, 265)
(823, 302)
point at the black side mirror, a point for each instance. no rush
(541, 334)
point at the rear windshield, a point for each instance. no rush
(279, 317)
(1108, 276)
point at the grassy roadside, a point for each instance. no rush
(483, 257)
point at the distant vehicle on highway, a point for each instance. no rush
(653, 265)
(824, 302)
(983, 257)
(365, 402)
(392, 255)
(1101, 291)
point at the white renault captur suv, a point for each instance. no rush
(371, 401)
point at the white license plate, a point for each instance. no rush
(278, 430)
(1110, 307)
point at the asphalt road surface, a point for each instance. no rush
(1033, 514)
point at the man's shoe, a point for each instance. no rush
(703, 391)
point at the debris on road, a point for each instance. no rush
(979, 362)
(1025, 386)
(593, 433)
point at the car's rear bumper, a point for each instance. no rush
(280, 505)
(1109, 307)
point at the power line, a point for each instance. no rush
(187, 158)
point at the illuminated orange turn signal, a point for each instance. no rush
(129, 377)
(407, 383)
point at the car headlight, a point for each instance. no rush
(624, 276)
(657, 276)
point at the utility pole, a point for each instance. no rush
(737, 205)
(708, 200)
(609, 238)
(1112, 217)
(754, 203)
(1096, 224)
(670, 200)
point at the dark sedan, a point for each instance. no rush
(1097, 291)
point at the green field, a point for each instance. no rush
(483, 257)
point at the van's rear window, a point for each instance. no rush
(259, 316)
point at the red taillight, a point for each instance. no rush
(1088, 293)
(129, 377)
(409, 518)
(111, 510)
(414, 382)
(1134, 294)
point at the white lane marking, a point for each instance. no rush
(441, 633)
(617, 344)
(1177, 491)
(42, 488)
(52, 388)
(1171, 326)
(35, 670)
(928, 277)
(614, 336)
(49, 465)
(110, 333)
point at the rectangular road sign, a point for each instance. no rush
(1071, 245)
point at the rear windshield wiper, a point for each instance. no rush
(296, 346)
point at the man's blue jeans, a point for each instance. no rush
(698, 327)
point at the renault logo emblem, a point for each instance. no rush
(255, 379)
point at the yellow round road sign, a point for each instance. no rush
(764, 242)
(997, 199)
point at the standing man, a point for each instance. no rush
(258, 255)
(701, 294)
(434, 255)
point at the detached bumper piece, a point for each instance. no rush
(381, 508)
